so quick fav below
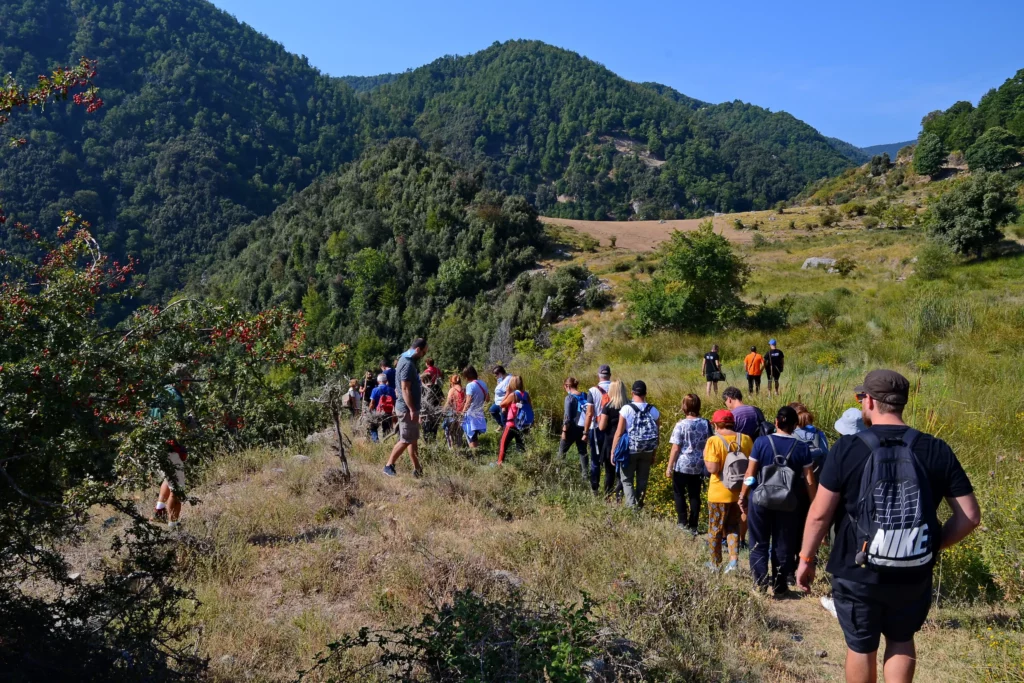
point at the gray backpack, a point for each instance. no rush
(735, 468)
(777, 490)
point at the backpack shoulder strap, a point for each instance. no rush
(647, 409)
(910, 437)
(728, 446)
(869, 439)
(775, 452)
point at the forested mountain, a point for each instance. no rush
(207, 125)
(852, 152)
(961, 125)
(401, 225)
(582, 142)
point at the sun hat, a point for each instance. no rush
(851, 422)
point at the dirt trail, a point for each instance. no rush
(645, 235)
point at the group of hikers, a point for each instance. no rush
(772, 363)
(774, 486)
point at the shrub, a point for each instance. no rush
(612, 241)
(475, 639)
(898, 216)
(845, 265)
(825, 312)
(829, 217)
(870, 222)
(929, 155)
(934, 261)
(738, 224)
(853, 209)
(769, 317)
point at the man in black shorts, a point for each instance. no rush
(774, 360)
(872, 598)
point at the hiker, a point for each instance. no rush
(774, 361)
(519, 416)
(501, 380)
(749, 419)
(382, 405)
(366, 389)
(598, 440)
(777, 500)
(607, 423)
(432, 398)
(389, 373)
(407, 408)
(353, 399)
(850, 422)
(815, 439)
(639, 423)
(574, 412)
(754, 365)
(711, 368)
(725, 456)
(887, 542)
(686, 463)
(454, 405)
(474, 422)
(172, 488)
(431, 369)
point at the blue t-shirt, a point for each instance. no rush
(799, 457)
(390, 374)
(381, 390)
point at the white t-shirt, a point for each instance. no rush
(629, 413)
(501, 390)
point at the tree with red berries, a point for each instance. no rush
(78, 437)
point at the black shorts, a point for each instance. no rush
(868, 611)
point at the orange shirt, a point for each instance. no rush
(754, 363)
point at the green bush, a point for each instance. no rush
(845, 265)
(870, 222)
(934, 261)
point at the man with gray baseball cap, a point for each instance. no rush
(885, 597)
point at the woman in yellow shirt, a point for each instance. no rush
(723, 503)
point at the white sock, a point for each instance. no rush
(161, 506)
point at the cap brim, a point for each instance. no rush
(859, 389)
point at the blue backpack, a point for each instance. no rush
(581, 406)
(524, 412)
(896, 525)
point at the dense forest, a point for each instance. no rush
(401, 225)
(209, 125)
(961, 126)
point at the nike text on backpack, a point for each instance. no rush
(524, 411)
(735, 468)
(777, 490)
(386, 404)
(896, 526)
(643, 434)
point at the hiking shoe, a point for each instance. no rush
(682, 527)
(390, 470)
(694, 532)
(791, 579)
(159, 516)
(731, 567)
(710, 567)
(418, 474)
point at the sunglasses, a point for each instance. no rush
(860, 396)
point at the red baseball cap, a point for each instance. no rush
(723, 417)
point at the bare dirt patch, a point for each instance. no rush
(645, 235)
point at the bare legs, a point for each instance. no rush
(899, 663)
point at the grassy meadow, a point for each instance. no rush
(285, 558)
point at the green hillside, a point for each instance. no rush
(207, 125)
(962, 124)
(584, 143)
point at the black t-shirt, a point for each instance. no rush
(774, 360)
(841, 474)
(710, 362)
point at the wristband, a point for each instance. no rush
(808, 560)
(749, 481)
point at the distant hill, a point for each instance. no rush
(852, 152)
(890, 149)
(582, 142)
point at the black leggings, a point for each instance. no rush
(686, 488)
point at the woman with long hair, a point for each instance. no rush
(607, 422)
(518, 412)
(454, 404)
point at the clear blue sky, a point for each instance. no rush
(863, 71)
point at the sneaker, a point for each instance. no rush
(417, 473)
(830, 606)
(682, 527)
(731, 567)
(694, 532)
(390, 470)
(159, 516)
(791, 579)
(710, 567)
